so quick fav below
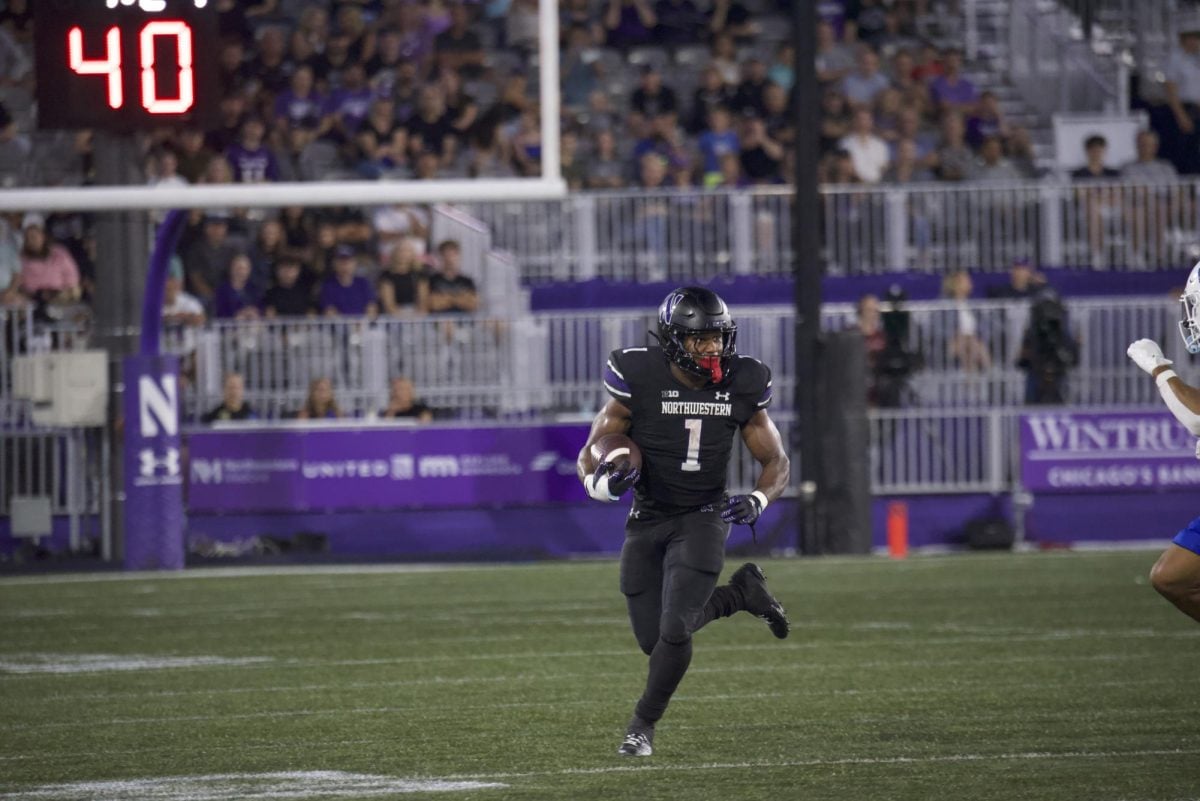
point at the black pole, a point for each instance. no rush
(806, 250)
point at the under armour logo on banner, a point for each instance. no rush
(150, 464)
(722, 396)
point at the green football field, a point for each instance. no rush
(1048, 676)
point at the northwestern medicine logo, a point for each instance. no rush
(158, 418)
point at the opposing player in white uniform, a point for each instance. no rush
(1176, 574)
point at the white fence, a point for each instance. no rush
(547, 365)
(684, 235)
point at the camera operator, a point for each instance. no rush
(897, 360)
(1048, 350)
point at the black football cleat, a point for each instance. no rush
(759, 601)
(637, 743)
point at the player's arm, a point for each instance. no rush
(762, 438)
(1182, 399)
(614, 418)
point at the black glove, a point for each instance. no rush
(742, 509)
(621, 476)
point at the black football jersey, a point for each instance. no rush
(685, 435)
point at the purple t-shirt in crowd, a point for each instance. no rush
(252, 166)
(297, 110)
(960, 92)
(229, 301)
(351, 105)
(351, 300)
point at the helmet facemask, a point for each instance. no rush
(1189, 326)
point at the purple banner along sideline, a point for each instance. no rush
(371, 467)
(153, 474)
(1107, 451)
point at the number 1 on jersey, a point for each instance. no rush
(692, 464)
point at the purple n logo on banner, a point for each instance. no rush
(154, 516)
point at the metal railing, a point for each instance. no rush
(546, 365)
(692, 234)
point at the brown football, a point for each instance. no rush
(615, 448)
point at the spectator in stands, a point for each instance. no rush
(431, 130)
(521, 27)
(730, 176)
(749, 96)
(761, 156)
(966, 348)
(251, 160)
(605, 169)
(581, 70)
(896, 35)
(629, 23)
(869, 322)
(352, 24)
(1099, 204)
(986, 120)
(10, 265)
(573, 170)
(1021, 282)
(716, 141)
(782, 71)
(460, 106)
(778, 115)
(345, 293)
(206, 259)
(1150, 206)
(867, 151)
(329, 63)
(888, 105)
(954, 160)
(270, 244)
(349, 103)
(233, 401)
(460, 48)
(17, 20)
(320, 404)
(731, 18)
(301, 103)
(288, 297)
(1183, 99)
(865, 21)
(381, 68)
(14, 151)
(487, 159)
(182, 315)
(834, 60)
(380, 144)
(406, 91)
(237, 298)
(864, 84)
(711, 93)
(680, 22)
(914, 94)
(928, 64)
(396, 223)
(526, 144)
(451, 292)
(834, 121)
(163, 169)
(951, 90)
(651, 97)
(404, 285)
(906, 166)
(49, 275)
(908, 126)
(993, 166)
(403, 403)
(666, 139)
(579, 14)
(725, 58)
(193, 155)
(270, 68)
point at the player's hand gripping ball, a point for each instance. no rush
(742, 510)
(618, 467)
(1147, 355)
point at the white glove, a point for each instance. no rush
(1147, 355)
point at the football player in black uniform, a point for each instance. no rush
(682, 403)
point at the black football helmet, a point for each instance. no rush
(694, 310)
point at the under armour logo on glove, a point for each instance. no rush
(744, 509)
(611, 481)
